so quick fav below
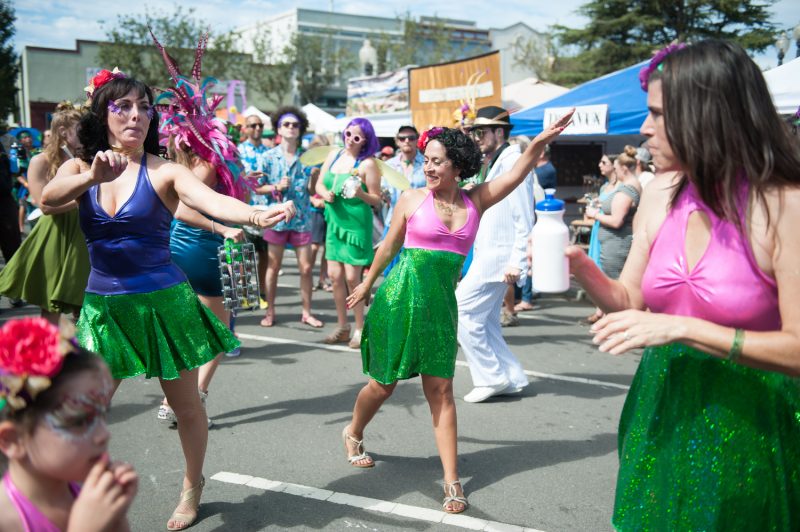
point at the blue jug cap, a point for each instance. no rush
(550, 203)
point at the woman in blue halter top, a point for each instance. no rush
(139, 311)
(411, 327)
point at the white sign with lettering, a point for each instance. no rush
(587, 120)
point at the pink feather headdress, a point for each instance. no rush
(188, 118)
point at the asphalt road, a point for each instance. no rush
(544, 459)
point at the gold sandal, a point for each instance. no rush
(340, 335)
(188, 495)
(359, 449)
(451, 496)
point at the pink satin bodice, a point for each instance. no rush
(725, 287)
(424, 228)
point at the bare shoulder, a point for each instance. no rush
(411, 199)
(654, 204)
(368, 165)
(9, 518)
(38, 160)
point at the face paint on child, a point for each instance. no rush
(79, 416)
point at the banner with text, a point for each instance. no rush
(587, 120)
(437, 91)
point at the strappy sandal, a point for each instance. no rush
(451, 496)
(340, 335)
(311, 321)
(359, 449)
(189, 495)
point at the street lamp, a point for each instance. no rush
(796, 35)
(368, 56)
(782, 44)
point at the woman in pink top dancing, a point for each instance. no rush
(411, 328)
(709, 437)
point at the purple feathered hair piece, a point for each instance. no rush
(188, 118)
(655, 63)
(371, 142)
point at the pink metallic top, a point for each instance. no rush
(426, 230)
(33, 520)
(725, 287)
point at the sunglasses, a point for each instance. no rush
(478, 133)
(403, 138)
(291, 125)
(355, 138)
(255, 125)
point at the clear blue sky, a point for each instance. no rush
(58, 23)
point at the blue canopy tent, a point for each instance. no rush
(620, 90)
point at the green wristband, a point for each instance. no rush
(736, 346)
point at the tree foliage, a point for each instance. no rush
(318, 64)
(131, 48)
(623, 32)
(422, 43)
(9, 66)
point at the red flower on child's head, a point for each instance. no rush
(30, 346)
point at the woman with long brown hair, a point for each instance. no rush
(51, 267)
(709, 438)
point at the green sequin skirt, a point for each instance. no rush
(705, 444)
(159, 333)
(411, 325)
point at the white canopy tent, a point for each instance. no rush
(318, 120)
(253, 111)
(784, 85)
(528, 93)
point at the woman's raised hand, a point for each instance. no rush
(554, 129)
(107, 166)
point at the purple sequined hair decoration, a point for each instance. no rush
(655, 63)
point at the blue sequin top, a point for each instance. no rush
(129, 252)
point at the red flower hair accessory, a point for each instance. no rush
(32, 352)
(101, 78)
(427, 136)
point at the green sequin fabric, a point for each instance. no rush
(157, 333)
(706, 444)
(411, 325)
(51, 267)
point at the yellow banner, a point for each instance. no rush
(437, 92)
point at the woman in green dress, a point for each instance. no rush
(411, 326)
(348, 242)
(709, 437)
(51, 267)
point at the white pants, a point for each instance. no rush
(491, 362)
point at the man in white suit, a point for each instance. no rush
(499, 259)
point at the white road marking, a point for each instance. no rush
(344, 348)
(367, 503)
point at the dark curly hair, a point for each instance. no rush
(290, 109)
(461, 150)
(93, 127)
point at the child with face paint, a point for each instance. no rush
(54, 397)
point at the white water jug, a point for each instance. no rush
(550, 239)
